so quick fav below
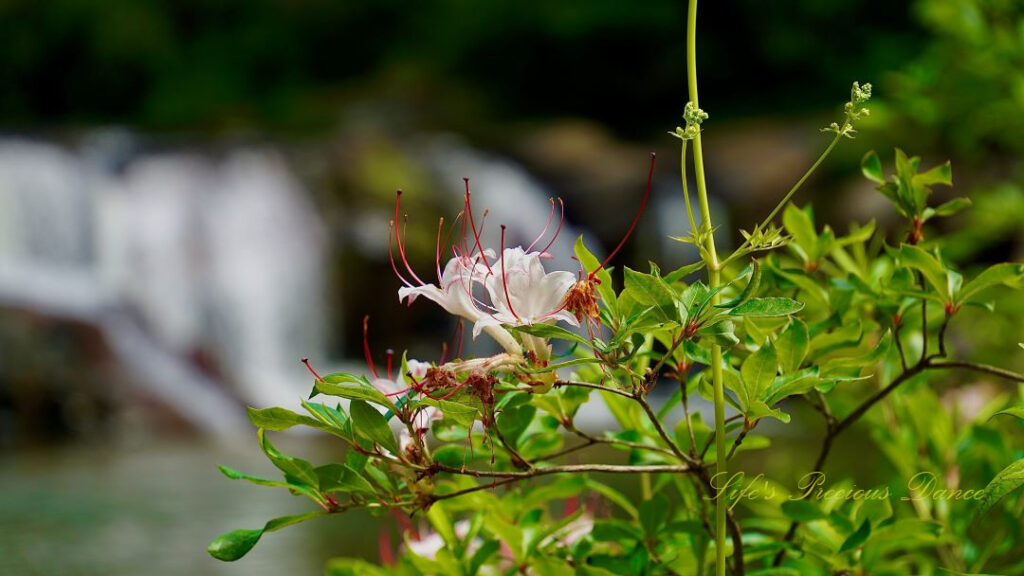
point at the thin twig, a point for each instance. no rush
(564, 383)
(984, 368)
(686, 415)
(517, 459)
(569, 469)
(739, 440)
(661, 431)
(899, 344)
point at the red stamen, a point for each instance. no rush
(451, 231)
(398, 238)
(366, 346)
(391, 358)
(311, 370)
(437, 249)
(462, 336)
(472, 225)
(636, 219)
(407, 526)
(561, 220)
(387, 558)
(400, 392)
(504, 277)
(547, 225)
(391, 256)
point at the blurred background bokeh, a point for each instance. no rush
(194, 195)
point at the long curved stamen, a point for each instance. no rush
(451, 231)
(437, 249)
(636, 219)
(366, 346)
(391, 256)
(547, 225)
(312, 370)
(561, 221)
(462, 336)
(472, 226)
(398, 239)
(504, 277)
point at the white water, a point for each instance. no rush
(172, 253)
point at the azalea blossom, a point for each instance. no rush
(510, 288)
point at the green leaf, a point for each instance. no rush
(767, 307)
(480, 557)
(952, 207)
(353, 388)
(800, 225)
(277, 419)
(612, 530)
(613, 495)
(512, 422)
(564, 488)
(236, 475)
(1007, 480)
(792, 346)
(233, 545)
(654, 513)
(296, 470)
(933, 270)
(876, 354)
(759, 409)
(871, 167)
(344, 478)
(680, 273)
(651, 290)
(510, 534)
(460, 414)
(371, 424)
(758, 371)
(941, 174)
(1007, 274)
(549, 331)
(749, 290)
(723, 332)
(237, 543)
(792, 384)
(802, 511)
(858, 538)
(354, 567)
(1017, 411)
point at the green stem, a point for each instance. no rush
(686, 191)
(785, 199)
(714, 277)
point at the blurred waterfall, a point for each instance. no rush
(169, 254)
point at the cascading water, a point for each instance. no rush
(172, 254)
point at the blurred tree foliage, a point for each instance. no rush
(282, 64)
(966, 90)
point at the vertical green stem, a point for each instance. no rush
(714, 278)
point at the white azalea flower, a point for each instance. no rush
(523, 293)
(454, 293)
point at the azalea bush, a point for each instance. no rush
(483, 462)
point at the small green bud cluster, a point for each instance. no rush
(694, 117)
(854, 110)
